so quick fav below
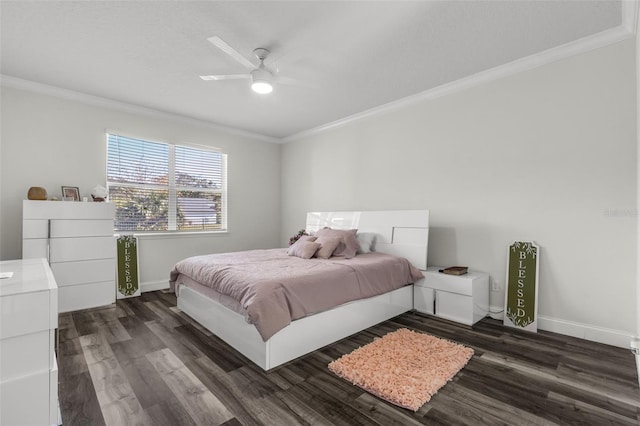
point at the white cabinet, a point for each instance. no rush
(77, 240)
(28, 368)
(460, 298)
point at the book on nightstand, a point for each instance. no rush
(455, 270)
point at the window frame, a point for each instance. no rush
(172, 188)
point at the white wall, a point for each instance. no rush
(49, 141)
(547, 155)
(636, 343)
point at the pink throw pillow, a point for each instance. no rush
(307, 238)
(348, 246)
(303, 248)
(328, 245)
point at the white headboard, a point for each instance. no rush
(399, 232)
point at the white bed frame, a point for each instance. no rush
(403, 232)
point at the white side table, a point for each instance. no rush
(460, 298)
(28, 366)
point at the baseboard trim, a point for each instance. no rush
(154, 285)
(496, 312)
(582, 331)
(585, 331)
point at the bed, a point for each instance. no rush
(401, 233)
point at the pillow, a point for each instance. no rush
(303, 248)
(327, 246)
(348, 246)
(306, 238)
(366, 241)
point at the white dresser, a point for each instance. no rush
(77, 240)
(460, 298)
(28, 368)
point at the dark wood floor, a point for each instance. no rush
(142, 361)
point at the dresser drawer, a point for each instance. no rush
(53, 391)
(81, 228)
(85, 271)
(35, 228)
(26, 400)
(85, 296)
(35, 248)
(27, 313)
(23, 355)
(85, 248)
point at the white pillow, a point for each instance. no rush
(367, 241)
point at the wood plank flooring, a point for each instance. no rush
(143, 362)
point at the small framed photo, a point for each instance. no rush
(70, 193)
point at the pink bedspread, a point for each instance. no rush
(275, 288)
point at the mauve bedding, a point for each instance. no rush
(275, 289)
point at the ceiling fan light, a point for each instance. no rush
(261, 81)
(262, 87)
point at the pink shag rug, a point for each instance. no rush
(404, 367)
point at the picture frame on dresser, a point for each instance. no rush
(72, 192)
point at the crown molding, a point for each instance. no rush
(45, 89)
(585, 44)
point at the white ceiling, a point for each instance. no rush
(347, 57)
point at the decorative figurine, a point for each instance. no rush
(99, 193)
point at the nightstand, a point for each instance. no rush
(28, 319)
(460, 298)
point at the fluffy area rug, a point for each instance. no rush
(403, 367)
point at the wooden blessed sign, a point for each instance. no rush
(127, 252)
(521, 294)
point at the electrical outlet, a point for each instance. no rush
(495, 285)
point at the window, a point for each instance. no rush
(162, 187)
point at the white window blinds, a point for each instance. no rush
(162, 187)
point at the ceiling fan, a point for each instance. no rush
(261, 77)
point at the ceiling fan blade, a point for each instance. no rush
(288, 80)
(222, 45)
(224, 77)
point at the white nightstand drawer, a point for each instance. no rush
(454, 307)
(423, 299)
(461, 284)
